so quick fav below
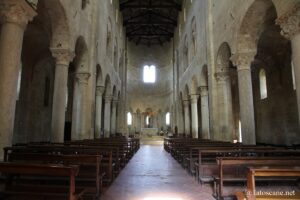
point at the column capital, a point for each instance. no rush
(115, 102)
(203, 91)
(100, 90)
(222, 77)
(194, 98)
(62, 56)
(290, 22)
(186, 102)
(108, 99)
(243, 60)
(82, 77)
(16, 11)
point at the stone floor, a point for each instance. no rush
(153, 140)
(152, 174)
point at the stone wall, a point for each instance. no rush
(219, 22)
(155, 96)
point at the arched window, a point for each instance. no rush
(240, 132)
(149, 74)
(263, 84)
(293, 75)
(168, 119)
(147, 120)
(19, 83)
(83, 4)
(129, 118)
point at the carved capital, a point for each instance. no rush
(203, 91)
(186, 102)
(194, 98)
(290, 23)
(243, 60)
(114, 102)
(82, 78)
(100, 90)
(222, 77)
(220, 67)
(62, 56)
(108, 99)
(16, 11)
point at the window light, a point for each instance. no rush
(129, 119)
(149, 74)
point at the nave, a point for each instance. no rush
(152, 174)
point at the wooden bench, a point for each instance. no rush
(251, 193)
(89, 176)
(19, 170)
(107, 165)
(234, 169)
(207, 163)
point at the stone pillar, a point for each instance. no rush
(98, 119)
(290, 25)
(80, 100)
(186, 104)
(180, 117)
(107, 111)
(194, 110)
(63, 58)
(243, 63)
(225, 114)
(204, 112)
(143, 124)
(114, 117)
(138, 121)
(15, 15)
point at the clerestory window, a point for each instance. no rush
(129, 119)
(263, 84)
(168, 119)
(149, 74)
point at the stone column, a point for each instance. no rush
(98, 119)
(204, 112)
(180, 117)
(63, 58)
(186, 104)
(194, 110)
(243, 63)
(114, 117)
(15, 15)
(79, 116)
(225, 114)
(107, 111)
(138, 122)
(290, 25)
(143, 124)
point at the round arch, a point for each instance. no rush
(108, 90)
(253, 23)
(59, 24)
(99, 76)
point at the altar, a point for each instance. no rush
(149, 131)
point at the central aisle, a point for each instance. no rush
(152, 174)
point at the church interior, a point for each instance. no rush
(149, 99)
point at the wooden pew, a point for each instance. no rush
(279, 172)
(107, 165)
(234, 169)
(212, 151)
(12, 189)
(207, 163)
(89, 176)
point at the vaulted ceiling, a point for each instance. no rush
(150, 22)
